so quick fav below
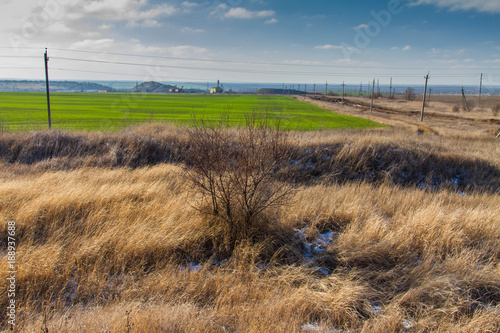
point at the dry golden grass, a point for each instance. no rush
(439, 117)
(116, 247)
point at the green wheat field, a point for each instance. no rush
(110, 112)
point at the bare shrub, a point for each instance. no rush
(495, 110)
(455, 108)
(234, 172)
(410, 94)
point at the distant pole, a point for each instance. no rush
(373, 92)
(342, 93)
(305, 89)
(425, 95)
(326, 88)
(429, 99)
(46, 60)
(361, 89)
(480, 88)
(378, 87)
(298, 91)
(465, 100)
(390, 90)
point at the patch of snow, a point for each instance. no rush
(192, 267)
(73, 285)
(309, 328)
(407, 324)
(323, 271)
(318, 246)
(316, 328)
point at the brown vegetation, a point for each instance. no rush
(386, 230)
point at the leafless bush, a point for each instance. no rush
(410, 94)
(455, 108)
(234, 172)
(495, 110)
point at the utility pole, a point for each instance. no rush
(361, 89)
(465, 100)
(46, 60)
(305, 89)
(343, 85)
(429, 99)
(425, 95)
(373, 92)
(480, 88)
(326, 88)
(390, 90)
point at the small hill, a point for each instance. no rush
(273, 91)
(55, 86)
(153, 87)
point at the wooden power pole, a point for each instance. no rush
(373, 92)
(480, 88)
(425, 95)
(390, 89)
(343, 85)
(464, 99)
(46, 60)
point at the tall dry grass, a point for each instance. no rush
(118, 248)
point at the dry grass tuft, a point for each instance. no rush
(104, 246)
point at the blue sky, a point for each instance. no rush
(253, 40)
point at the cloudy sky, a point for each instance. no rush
(253, 40)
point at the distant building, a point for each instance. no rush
(102, 91)
(217, 90)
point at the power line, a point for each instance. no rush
(252, 71)
(425, 68)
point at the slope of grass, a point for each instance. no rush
(103, 249)
(107, 239)
(27, 111)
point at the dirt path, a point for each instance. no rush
(394, 113)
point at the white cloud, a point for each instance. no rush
(328, 47)
(446, 53)
(404, 48)
(191, 30)
(89, 34)
(149, 23)
(489, 6)
(301, 62)
(243, 13)
(187, 50)
(361, 26)
(105, 26)
(271, 21)
(132, 11)
(93, 44)
(59, 27)
(189, 4)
